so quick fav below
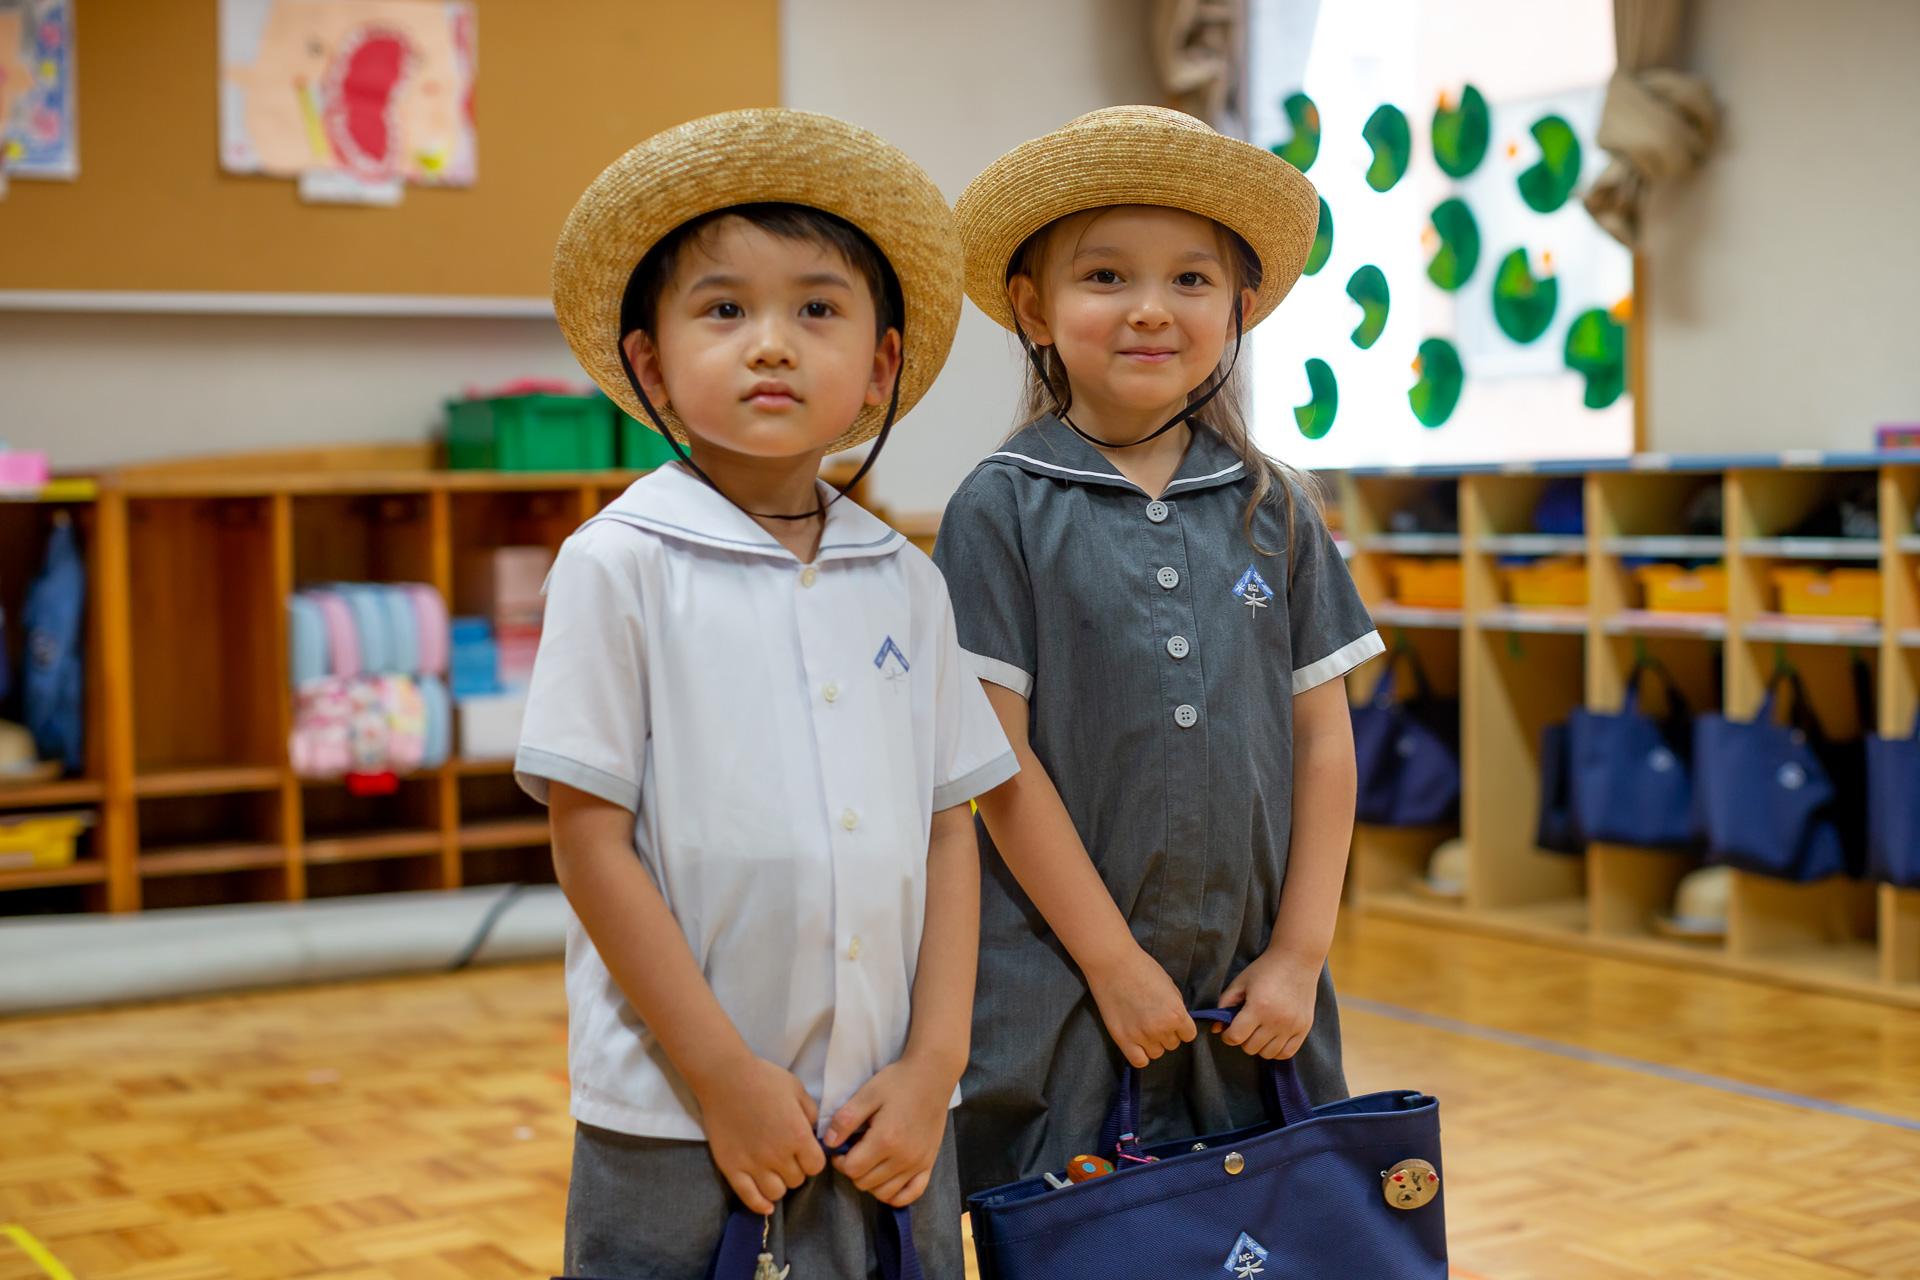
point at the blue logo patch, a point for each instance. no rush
(890, 662)
(1248, 1259)
(1252, 589)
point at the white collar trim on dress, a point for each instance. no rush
(675, 503)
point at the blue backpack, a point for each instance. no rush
(53, 681)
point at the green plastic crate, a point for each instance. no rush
(530, 433)
(641, 447)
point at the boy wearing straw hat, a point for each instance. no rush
(752, 721)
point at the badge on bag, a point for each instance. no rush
(1248, 1259)
(1410, 1184)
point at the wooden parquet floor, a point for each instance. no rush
(416, 1129)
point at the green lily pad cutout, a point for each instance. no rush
(1437, 392)
(1316, 415)
(1368, 287)
(1546, 186)
(1460, 133)
(1523, 304)
(1322, 240)
(1303, 148)
(1597, 349)
(1391, 138)
(1459, 251)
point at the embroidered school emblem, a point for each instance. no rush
(890, 662)
(1253, 590)
(1248, 1259)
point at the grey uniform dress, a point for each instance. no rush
(1160, 655)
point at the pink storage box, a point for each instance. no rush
(20, 469)
(505, 582)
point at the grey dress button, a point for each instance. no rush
(1168, 577)
(1185, 716)
(1157, 512)
(1178, 647)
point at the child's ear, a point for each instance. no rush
(1026, 309)
(1246, 306)
(645, 358)
(886, 367)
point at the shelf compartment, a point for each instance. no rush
(1783, 628)
(1647, 622)
(188, 860)
(506, 833)
(1666, 547)
(67, 793)
(209, 781)
(1412, 544)
(1534, 544)
(1537, 620)
(371, 846)
(1850, 549)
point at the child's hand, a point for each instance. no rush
(904, 1111)
(1275, 996)
(760, 1132)
(1140, 1005)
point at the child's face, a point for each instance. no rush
(764, 345)
(1138, 301)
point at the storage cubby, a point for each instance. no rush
(411, 873)
(525, 865)
(212, 889)
(1389, 864)
(367, 537)
(39, 890)
(1403, 535)
(496, 814)
(207, 834)
(483, 521)
(343, 827)
(208, 655)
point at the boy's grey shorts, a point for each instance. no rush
(653, 1209)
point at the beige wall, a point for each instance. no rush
(1784, 290)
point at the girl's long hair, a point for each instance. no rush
(1225, 415)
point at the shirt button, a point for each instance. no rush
(809, 576)
(849, 819)
(1178, 647)
(853, 948)
(1185, 716)
(831, 693)
(1168, 577)
(1157, 511)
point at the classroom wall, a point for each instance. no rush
(1783, 276)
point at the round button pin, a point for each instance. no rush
(1157, 512)
(1178, 647)
(1410, 1184)
(809, 576)
(1168, 577)
(1186, 716)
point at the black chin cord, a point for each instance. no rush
(1060, 410)
(820, 508)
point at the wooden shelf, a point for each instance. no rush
(1413, 544)
(1811, 548)
(1407, 615)
(209, 781)
(1783, 628)
(1666, 546)
(479, 768)
(1534, 619)
(1909, 543)
(512, 833)
(1646, 622)
(80, 871)
(1534, 544)
(210, 859)
(372, 847)
(38, 795)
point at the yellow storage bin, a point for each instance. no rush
(1560, 582)
(40, 841)
(1671, 589)
(1835, 593)
(1426, 583)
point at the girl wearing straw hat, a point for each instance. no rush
(1161, 619)
(753, 724)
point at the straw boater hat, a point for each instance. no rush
(747, 157)
(1137, 155)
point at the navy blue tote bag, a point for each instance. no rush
(1893, 809)
(53, 685)
(1407, 753)
(1349, 1189)
(1780, 799)
(1631, 776)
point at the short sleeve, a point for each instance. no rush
(586, 720)
(971, 755)
(1332, 632)
(979, 551)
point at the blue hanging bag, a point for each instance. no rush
(1893, 809)
(53, 684)
(1631, 775)
(1407, 752)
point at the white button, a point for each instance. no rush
(853, 948)
(1185, 716)
(1156, 511)
(1168, 577)
(831, 693)
(850, 819)
(809, 576)
(1178, 647)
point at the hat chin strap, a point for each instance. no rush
(1060, 409)
(819, 508)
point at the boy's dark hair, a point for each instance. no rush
(788, 221)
